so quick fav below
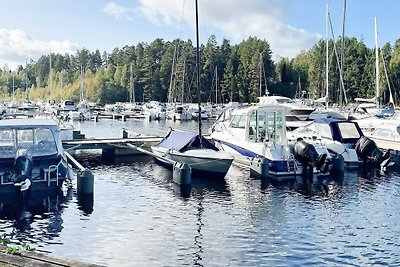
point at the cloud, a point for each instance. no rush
(236, 20)
(118, 11)
(16, 47)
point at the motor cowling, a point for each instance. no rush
(368, 150)
(23, 165)
(306, 153)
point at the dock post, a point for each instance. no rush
(85, 178)
(182, 173)
(85, 182)
(338, 163)
(124, 133)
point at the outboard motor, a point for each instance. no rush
(306, 154)
(368, 150)
(23, 169)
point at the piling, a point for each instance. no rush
(85, 178)
(182, 173)
(338, 163)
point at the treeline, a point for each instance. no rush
(165, 71)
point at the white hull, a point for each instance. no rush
(200, 160)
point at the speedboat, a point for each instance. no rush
(31, 156)
(252, 132)
(386, 136)
(199, 153)
(296, 110)
(338, 136)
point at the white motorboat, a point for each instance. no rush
(199, 153)
(386, 136)
(259, 131)
(296, 110)
(154, 111)
(338, 136)
(32, 157)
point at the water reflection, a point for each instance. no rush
(35, 208)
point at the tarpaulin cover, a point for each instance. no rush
(182, 141)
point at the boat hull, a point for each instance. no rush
(202, 161)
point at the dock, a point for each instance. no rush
(113, 146)
(34, 259)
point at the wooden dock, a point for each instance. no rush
(34, 259)
(114, 146)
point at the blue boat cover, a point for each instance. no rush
(183, 140)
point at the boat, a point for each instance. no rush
(296, 110)
(372, 106)
(338, 136)
(251, 132)
(386, 136)
(32, 157)
(193, 149)
(68, 105)
(154, 110)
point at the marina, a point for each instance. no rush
(136, 206)
(194, 153)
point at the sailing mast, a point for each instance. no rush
(50, 78)
(132, 86)
(26, 83)
(327, 56)
(198, 73)
(376, 66)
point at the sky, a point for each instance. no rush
(29, 29)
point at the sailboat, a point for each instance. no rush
(325, 111)
(191, 147)
(370, 114)
(13, 104)
(27, 104)
(83, 112)
(368, 107)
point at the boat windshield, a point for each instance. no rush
(348, 130)
(39, 141)
(266, 126)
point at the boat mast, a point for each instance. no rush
(26, 82)
(82, 94)
(198, 72)
(327, 56)
(342, 92)
(216, 84)
(132, 86)
(13, 85)
(50, 78)
(376, 65)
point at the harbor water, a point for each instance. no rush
(139, 217)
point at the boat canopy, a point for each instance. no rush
(183, 140)
(342, 131)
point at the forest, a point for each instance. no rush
(166, 71)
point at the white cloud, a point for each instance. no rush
(16, 47)
(118, 11)
(236, 20)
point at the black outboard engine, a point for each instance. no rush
(368, 150)
(306, 154)
(23, 169)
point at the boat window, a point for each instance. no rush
(275, 127)
(39, 141)
(324, 130)
(383, 133)
(238, 121)
(7, 147)
(348, 130)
